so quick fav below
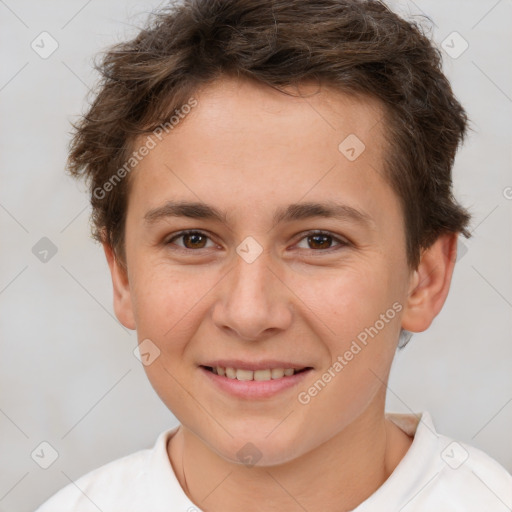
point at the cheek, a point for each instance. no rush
(347, 300)
(362, 315)
(167, 307)
(164, 297)
(365, 324)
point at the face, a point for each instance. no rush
(267, 286)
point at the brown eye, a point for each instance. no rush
(320, 240)
(191, 240)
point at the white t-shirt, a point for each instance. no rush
(436, 474)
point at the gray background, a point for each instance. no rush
(68, 375)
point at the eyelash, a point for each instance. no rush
(341, 242)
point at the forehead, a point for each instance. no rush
(233, 104)
(246, 144)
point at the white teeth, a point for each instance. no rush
(244, 374)
(260, 375)
(277, 373)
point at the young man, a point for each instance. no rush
(271, 183)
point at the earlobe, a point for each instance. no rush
(123, 307)
(430, 284)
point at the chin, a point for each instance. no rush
(256, 447)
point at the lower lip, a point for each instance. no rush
(253, 389)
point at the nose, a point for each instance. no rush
(254, 302)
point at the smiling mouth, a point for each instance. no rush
(258, 375)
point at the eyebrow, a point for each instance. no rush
(292, 212)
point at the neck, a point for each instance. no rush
(344, 471)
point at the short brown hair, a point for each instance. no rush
(355, 46)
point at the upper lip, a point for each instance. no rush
(254, 365)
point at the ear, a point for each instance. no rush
(122, 295)
(430, 283)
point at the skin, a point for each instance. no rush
(248, 149)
